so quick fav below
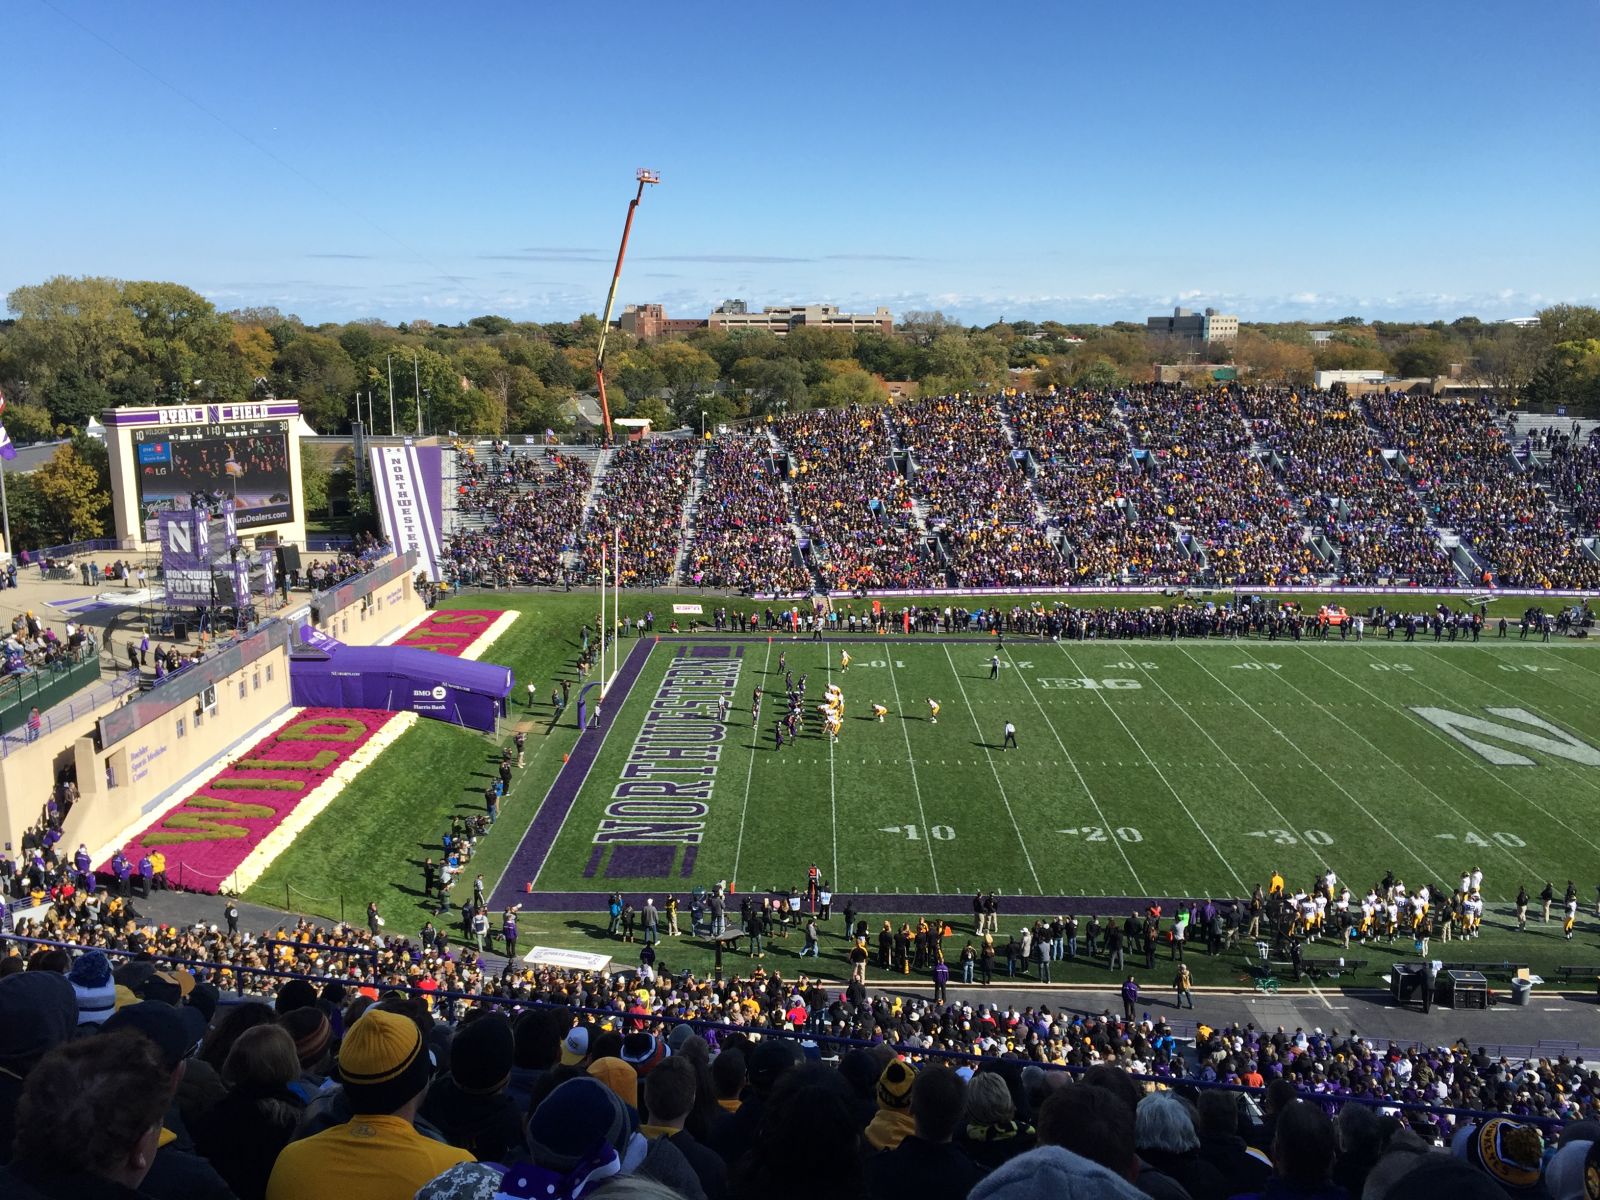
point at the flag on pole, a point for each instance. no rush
(7, 450)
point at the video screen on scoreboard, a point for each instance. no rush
(199, 466)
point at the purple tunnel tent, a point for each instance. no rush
(325, 672)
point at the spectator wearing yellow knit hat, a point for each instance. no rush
(892, 1123)
(377, 1154)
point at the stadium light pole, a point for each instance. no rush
(616, 602)
(601, 632)
(416, 380)
(390, 360)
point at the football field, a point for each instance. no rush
(1169, 769)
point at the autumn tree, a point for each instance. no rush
(70, 493)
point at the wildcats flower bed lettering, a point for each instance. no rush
(458, 632)
(227, 833)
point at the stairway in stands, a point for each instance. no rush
(600, 461)
(691, 508)
(779, 456)
(1041, 514)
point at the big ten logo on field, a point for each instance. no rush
(1082, 683)
(1470, 732)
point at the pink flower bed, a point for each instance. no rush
(207, 836)
(451, 631)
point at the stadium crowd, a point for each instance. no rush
(1147, 484)
(1458, 458)
(362, 1080)
(1199, 447)
(529, 505)
(741, 538)
(1339, 477)
(1574, 475)
(851, 504)
(1105, 504)
(642, 492)
(971, 478)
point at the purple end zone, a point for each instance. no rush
(640, 862)
(534, 848)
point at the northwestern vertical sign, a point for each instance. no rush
(408, 483)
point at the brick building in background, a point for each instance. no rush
(649, 321)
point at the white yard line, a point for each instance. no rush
(1083, 783)
(1160, 774)
(755, 748)
(1318, 767)
(911, 757)
(833, 807)
(1583, 697)
(989, 754)
(1477, 762)
(1242, 773)
(1466, 821)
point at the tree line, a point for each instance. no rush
(76, 346)
(73, 347)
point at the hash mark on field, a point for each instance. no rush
(1105, 824)
(1485, 768)
(989, 754)
(1110, 708)
(916, 787)
(755, 741)
(1256, 712)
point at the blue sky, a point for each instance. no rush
(1085, 162)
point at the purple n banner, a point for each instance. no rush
(186, 557)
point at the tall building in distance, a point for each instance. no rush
(1209, 326)
(648, 321)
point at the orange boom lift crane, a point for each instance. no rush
(644, 177)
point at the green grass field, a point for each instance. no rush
(1170, 769)
(1143, 768)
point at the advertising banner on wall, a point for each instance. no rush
(408, 485)
(186, 557)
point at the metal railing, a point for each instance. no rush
(69, 550)
(18, 688)
(78, 705)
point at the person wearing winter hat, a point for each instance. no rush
(466, 1181)
(1573, 1173)
(927, 1164)
(619, 1076)
(582, 1133)
(470, 1105)
(892, 1123)
(91, 982)
(1051, 1173)
(377, 1154)
(38, 1011)
(1509, 1152)
(644, 1051)
(313, 1047)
